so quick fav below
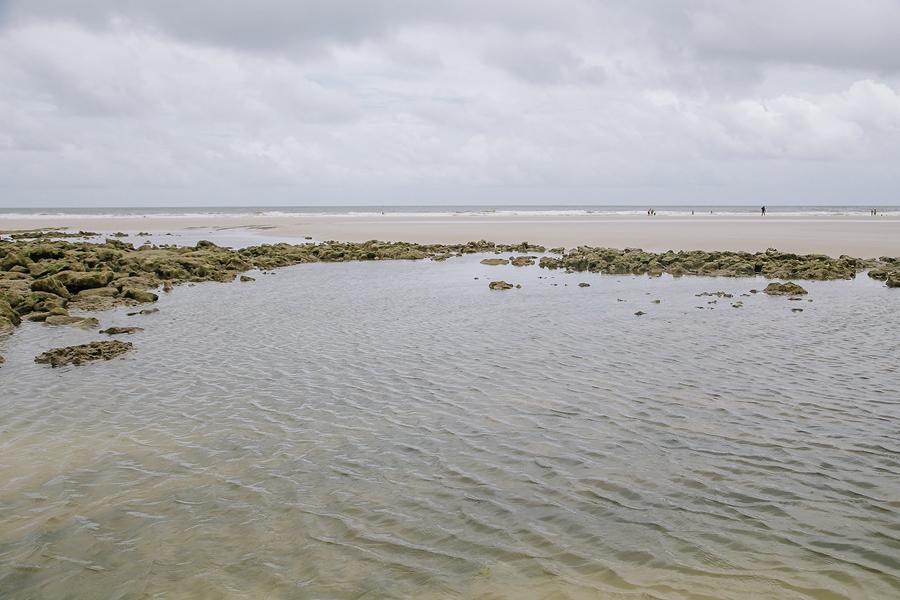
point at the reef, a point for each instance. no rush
(771, 264)
(42, 278)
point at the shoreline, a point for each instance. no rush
(862, 236)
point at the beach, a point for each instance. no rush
(854, 235)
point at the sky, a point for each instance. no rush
(300, 102)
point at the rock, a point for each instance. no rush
(85, 322)
(76, 281)
(583, 284)
(139, 295)
(495, 261)
(77, 355)
(717, 294)
(7, 312)
(121, 330)
(500, 285)
(246, 278)
(784, 289)
(797, 310)
(120, 234)
(2, 360)
(639, 313)
(6, 326)
(737, 304)
(521, 261)
(656, 301)
(893, 280)
(50, 285)
(146, 311)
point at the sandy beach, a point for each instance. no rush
(856, 236)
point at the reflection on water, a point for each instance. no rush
(397, 430)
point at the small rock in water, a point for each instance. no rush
(146, 311)
(784, 289)
(717, 294)
(494, 261)
(639, 313)
(121, 330)
(76, 355)
(521, 261)
(2, 360)
(737, 304)
(583, 284)
(500, 285)
(796, 310)
(246, 278)
(656, 301)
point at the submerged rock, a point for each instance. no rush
(83, 353)
(146, 311)
(639, 313)
(717, 294)
(121, 330)
(584, 284)
(500, 285)
(784, 289)
(247, 278)
(495, 261)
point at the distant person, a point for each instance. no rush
(763, 211)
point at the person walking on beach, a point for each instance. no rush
(763, 211)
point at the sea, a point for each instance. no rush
(396, 429)
(461, 210)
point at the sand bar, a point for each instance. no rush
(832, 235)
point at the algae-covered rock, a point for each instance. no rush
(495, 261)
(6, 326)
(50, 285)
(121, 330)
(139, 295)
(500, 285)
(77, 355)
(7, 312)
(784, 289)
(75, 281)
(521, 261)
(84, 322)
(247, 278)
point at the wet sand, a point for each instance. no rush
(857, 236)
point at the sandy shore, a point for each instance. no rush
(856, 236)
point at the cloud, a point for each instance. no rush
(461, 101)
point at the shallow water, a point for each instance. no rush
(397, 430)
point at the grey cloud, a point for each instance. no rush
(483, 101)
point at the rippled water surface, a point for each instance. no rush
(397, 430)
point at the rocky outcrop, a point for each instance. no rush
(500, 285)
(771, 263)
(522, 261)
(76, 355)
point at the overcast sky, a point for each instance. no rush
(206, 102)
